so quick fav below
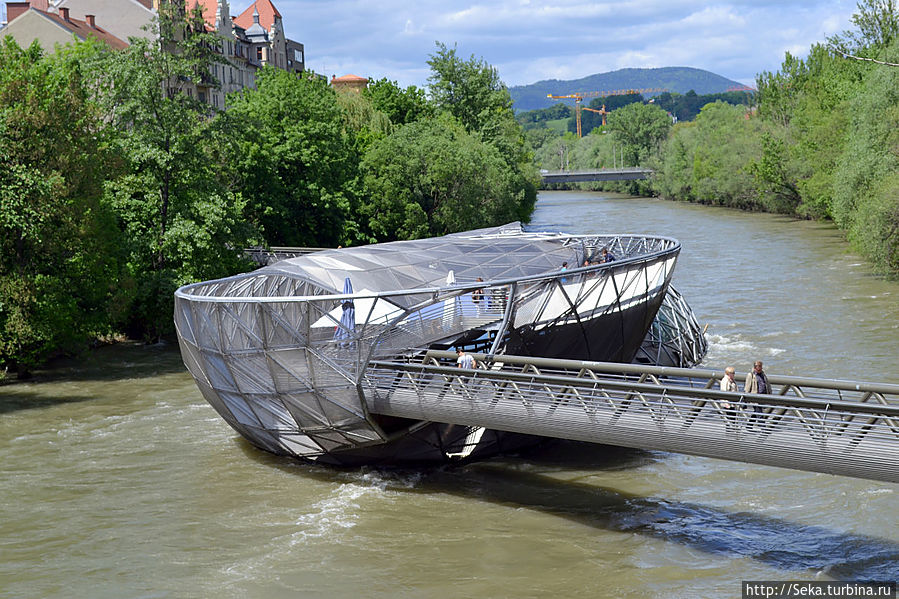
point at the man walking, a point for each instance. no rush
(463, 360)
(757, 382)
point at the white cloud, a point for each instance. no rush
(530, 40)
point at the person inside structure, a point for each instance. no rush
(463, 360)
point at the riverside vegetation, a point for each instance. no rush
(820, 141)
(117, 186)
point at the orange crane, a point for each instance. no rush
(579, 96)
(602, 111)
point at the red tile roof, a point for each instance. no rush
(209, 7)
(267, 14)
(348, 78)
(83, 30)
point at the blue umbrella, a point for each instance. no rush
(348, 317)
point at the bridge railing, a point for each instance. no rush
(837, 427)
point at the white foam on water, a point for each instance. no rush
(725, 344)
(330, 517)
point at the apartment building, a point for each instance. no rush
(249, 41)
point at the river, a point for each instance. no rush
(118, 480)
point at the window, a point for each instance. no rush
(259, 53)
(298, 55)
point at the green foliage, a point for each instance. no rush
(533, 119)
(470, 90)
(181, 221)
(57, 245)
(695, 167)
(592, 120)
(296, 161)
(400, 105)
(877, 27)
(432, 177)
(865, 200)
(641, 128)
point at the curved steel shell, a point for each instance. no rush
(282, 353)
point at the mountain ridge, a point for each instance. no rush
(674, 79)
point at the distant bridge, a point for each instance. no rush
(604, 174)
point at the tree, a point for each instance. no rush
(641, 128)
(181, 221)
(432, 177)
(296, 160)
(58, 268)
(877, 26)
(865, 202)
(472, 92)
(400, 105)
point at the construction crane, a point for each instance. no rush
(601, 111)
(578, 97)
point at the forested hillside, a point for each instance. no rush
(675, 79)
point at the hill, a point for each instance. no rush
(675, 79)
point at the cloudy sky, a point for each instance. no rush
(530, 40)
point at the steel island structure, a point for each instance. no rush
(285, 353)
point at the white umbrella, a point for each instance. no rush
(367, 310)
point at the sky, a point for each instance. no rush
(533, 40)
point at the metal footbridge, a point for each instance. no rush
(819, 425)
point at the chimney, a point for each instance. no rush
(14, 9)
(90, 21)
(64, 13)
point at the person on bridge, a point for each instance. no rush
(728, 384)
(464, 360)
(607, 256)
(757, 382)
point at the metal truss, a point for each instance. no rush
(820, 425)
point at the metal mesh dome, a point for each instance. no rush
(282, 353)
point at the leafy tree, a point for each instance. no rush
(432, 177)
(865, 180)
(695, 165)
(296, 159)
(181, 221)
(773, 177)
(400, 105)
(363, 123)
(470, 90)
(877, 26)
(641, 128)
(58, 266)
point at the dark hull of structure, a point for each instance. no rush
(612, 337)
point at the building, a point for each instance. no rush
(350, 83)
(251, 40)
(123, 18)
(29, 21)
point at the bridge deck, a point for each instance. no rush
(605, 174)
(820, 425)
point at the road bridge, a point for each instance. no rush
(819, 425)
(605, 174)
